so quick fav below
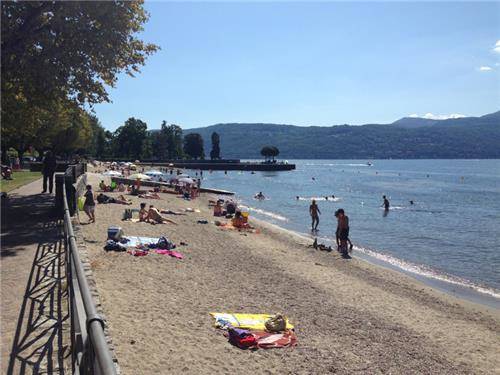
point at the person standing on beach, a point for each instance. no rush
(89, 205)
(48, 170)
(342, 233)
(386, 203)
(314, 212)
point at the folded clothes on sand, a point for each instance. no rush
(253, 331)
(247, 339)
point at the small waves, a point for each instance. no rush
(428, 272)
(265, 213)
(327, 199)
(339, 165)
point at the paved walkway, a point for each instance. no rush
(34, 319)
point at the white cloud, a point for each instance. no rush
(497, 46)
(431, 116)
(485, 68)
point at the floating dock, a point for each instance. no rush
(223, 166)
(129, 181)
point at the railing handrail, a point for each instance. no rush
(94, 323)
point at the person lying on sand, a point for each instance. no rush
(154, 216)
(104, 199)
(170, 212)
(150, 195)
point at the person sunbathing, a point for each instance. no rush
(103, 186)
(170, 212)
(150, 195)
(104, 199)
(238, 221)
(143, 213)
(154, 216)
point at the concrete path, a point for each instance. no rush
(34, 315)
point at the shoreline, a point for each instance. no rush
(450, 284)
(453, 289)
(350, 316)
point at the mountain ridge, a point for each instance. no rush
(406, 138)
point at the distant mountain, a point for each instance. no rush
(407, 138)
(418, 122)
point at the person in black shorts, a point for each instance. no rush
(342, 233)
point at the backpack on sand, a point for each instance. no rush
(276, 323)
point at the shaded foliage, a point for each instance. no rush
(58, 56)
(193, 146)
(215, 153)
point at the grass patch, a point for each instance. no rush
(19, 178)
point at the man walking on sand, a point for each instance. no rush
(48, 170)
(314, 212)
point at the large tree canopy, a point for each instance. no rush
(64, 53)
(269, 152)
(215, 153)
(129, 139)
(193, 146)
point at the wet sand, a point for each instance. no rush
(350, 316)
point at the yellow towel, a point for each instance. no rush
(249, 321)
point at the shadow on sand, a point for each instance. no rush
(38, 344)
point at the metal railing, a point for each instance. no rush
(90, 353)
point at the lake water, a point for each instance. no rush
(451, 233)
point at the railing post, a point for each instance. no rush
(70, 194)
(59, 194)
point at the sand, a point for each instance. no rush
(350, 316)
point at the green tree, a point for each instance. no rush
(269, 152)
(174, 141)
(193, 146)
(129, 139)
(62, 52)
(215, 153)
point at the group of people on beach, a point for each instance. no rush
(341, 234)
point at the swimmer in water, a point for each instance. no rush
(333, 196)
(260, 195)
(326, 198)
(297, 197)
(386, 203)
(312, 178)
(411, 203)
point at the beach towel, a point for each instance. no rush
(249, 321)
(137, 252)
(266, 340)
(134, 241)
(172, 253)
(247, 339)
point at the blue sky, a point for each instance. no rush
(322, 63)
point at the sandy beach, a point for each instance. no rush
(350, 316)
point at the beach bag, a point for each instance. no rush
(165, 243)
(127, 214)
(241, 338)
(276, 323)
(81, 202)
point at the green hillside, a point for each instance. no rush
(408, 138)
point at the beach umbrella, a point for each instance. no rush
(112, 173)
(186, 180)
(140, 176)
(154, 173)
